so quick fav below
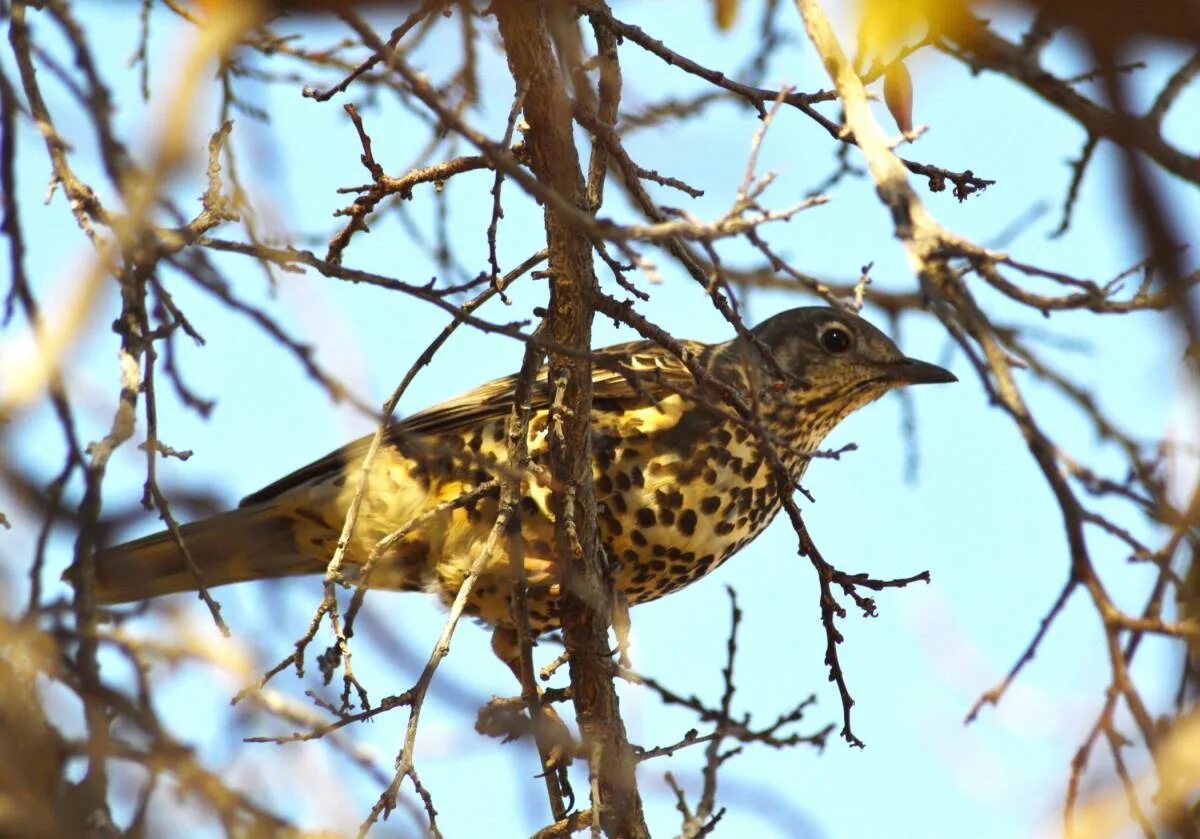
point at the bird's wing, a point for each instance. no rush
(639, 369)
(622, 371)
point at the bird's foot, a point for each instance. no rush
(505, 718)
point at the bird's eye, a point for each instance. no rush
(836, 339)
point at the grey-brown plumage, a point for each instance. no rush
(679, 487)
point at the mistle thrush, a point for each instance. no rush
(680, 484)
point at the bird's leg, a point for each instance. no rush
(554, 739)
(620, 623)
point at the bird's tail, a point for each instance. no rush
(253, 543)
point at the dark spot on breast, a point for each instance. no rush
(687, 522)
(636, 476)
(630, 556)
(604, 485)
(623, 482)
(645, 517)
(639, 539)
(695, 425)
(722, 436)
(603, 451)
(413, 553)
(618, 503)
(710, 504)
(420, 474)
(666, 516)
(724, 528)
(672, 498)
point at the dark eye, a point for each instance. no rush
(836, 339)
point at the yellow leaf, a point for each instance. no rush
(886, 25)
(726, 12)
(898, 94)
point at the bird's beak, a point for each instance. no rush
(911, 371)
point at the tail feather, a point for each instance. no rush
(252, 543)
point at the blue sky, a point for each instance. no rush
(978, 515)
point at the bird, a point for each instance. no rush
(682, 481)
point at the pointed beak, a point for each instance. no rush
(911, 371)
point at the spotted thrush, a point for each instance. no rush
(682, 480)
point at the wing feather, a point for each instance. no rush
(624, 371)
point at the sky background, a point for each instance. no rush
(977, 515)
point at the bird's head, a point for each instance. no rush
(833, 362)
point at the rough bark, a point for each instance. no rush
(586, 598)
